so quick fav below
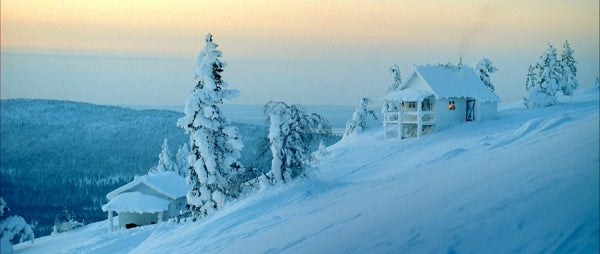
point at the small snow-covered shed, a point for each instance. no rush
(147, 199)
(435, 96)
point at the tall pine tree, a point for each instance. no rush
(215, 144)
(568, 70)
(551, 74)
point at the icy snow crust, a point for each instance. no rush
(136, 202)
(525, 183)
(448, 81)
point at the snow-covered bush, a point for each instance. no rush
(13, 229)
(484, 68)
(164, 160)
(65, 222)
(290, 135)
(215, 144)
(359, 118)
(322, 151)
(568, 70)
(536, 98)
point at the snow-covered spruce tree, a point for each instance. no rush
(397, 79)
(597, 82)
(484, 69)
(532, 75)
(291, 133)
(13, 230)
(569, 70)
(359, 118)
(548, 81)
(164, 160)
(215, 144)
(182, 158)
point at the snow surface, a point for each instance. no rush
(136, 202)
(527, 182)
(450, 81)
(169, 183)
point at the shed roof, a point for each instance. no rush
(136, 202)
(169, 184)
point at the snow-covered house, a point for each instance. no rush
(147, 199)
(434, 96)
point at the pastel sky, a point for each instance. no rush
(307, 52)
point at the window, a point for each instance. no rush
(412, 104)
(426, 105)
(451, 105)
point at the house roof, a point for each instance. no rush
(136, 202)
(448, 81)
(169, 184)
(408, 94)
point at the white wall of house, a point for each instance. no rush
(444, 116)
(485, 110)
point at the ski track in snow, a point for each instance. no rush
(527, 182)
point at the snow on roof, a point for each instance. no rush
(136, 202)
(408, 94)
(452, 81)
(169, 184)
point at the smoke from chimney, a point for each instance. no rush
(486, 13)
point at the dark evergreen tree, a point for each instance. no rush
(484, 69)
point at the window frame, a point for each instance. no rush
(451, 105)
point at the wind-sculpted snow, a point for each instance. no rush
(454, 191)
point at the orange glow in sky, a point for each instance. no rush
(176, 27)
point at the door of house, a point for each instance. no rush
(470, 110)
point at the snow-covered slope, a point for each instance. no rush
(527, 182)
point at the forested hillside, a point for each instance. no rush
(49, 145)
